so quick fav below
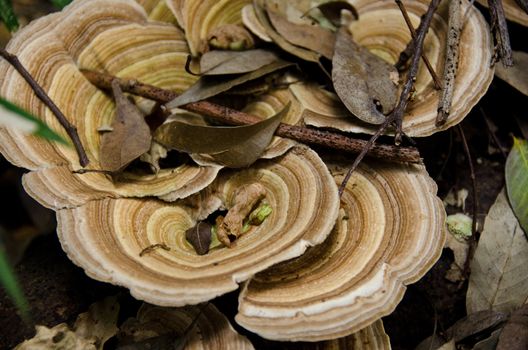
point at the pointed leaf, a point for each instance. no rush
(219, 62)
(130, 137)
(517, 181)
(304, 54)
(8, 15)
(236, 146)
(499, 273)
(209, 86)
(361, 79)
(200, 237)
(15, 117)
(9, 282)
(311, 37)
(517, 75)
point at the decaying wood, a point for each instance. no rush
(500, 31)
(234, 117)
(451, 61)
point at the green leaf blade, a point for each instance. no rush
(517, 181)
(10, 284)
(15, 117)
(8, 15)
(60, 3)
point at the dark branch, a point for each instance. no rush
(234, 117)
(397, 115)
(500, 31)
(71, 130)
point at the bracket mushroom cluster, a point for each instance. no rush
(316, 268)
(382, 29)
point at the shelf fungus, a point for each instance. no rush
(115, 37)
(389, 232)
(298, 187)
(200, 327)
(212, 21)
(382, 29)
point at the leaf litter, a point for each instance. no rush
(236, 146)
(362, 80)
(130, 136)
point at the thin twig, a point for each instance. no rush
(407, 53)
(436, 80)
(500, 31)
(397, 115)
(71, 130)
(234, 117)
(473, 238)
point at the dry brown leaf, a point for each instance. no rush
(362, 80)
(311, 37)
(499, 272)
(304, 54)
(209, 86)
(234, 147)
(200, 237)
(516, 76)
(219, 62)
(244, 201)
(153, 156)
(130, 137)
(514, 335)
(91, 330)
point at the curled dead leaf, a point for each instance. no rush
(234, 147)
(130, 136)
(245, 199)
(219, 62)
(362, 80)
(209, 86)
(200, 237)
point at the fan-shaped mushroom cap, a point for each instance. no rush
(199, 17)
(211, 331)
(372, 337)
(112, 36)
(389, 233)
(512, 10)
(382, 29)
(158, 11)
(105, 237)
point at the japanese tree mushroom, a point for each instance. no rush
(389, 233)
(299, 189)
(200, 19)
(113, 36)
(206, 327)
(382, 29)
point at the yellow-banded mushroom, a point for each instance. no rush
(382, 29)
(372, 337)
(210, 330)
(389, 233)
(112, 36)
(199, 18)
(106, 237)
